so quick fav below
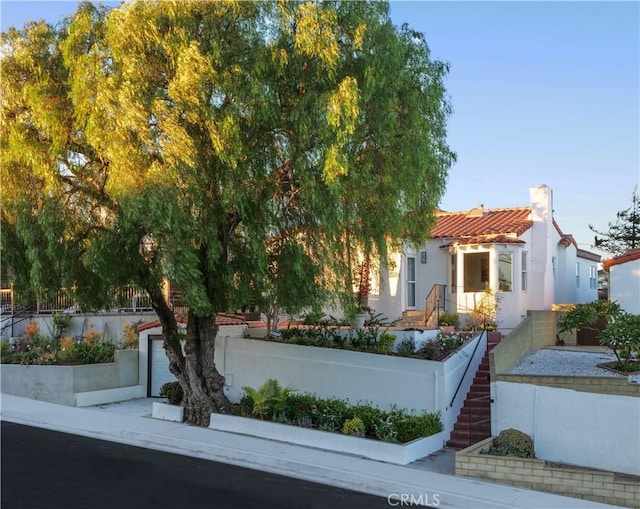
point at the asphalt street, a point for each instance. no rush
(53, 470)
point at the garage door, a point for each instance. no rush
(159, 373)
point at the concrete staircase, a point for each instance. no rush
(415, 319)
(474, 420)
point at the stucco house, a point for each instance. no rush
(519, 253)
(624, 280)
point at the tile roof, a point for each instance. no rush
(485, 239)
(221, 319)
(482, 222)
(629, 256)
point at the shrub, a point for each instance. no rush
(92, 336)
(411, 427)
(386, 430)
(269, 400)
(385, 343)
(93, 353)
(452, 319)
(370, 417)
(31, 329)
(354, 427)
(406, 347)
(512, 442)
(173, 392)
(130, 338)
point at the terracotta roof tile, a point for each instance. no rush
(631, 255)
(220, 321)
(485, 239)
(482, 222)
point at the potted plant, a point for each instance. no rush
(448, 322)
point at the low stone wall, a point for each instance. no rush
(595, 384)
(74, 385)
(536, 331)
(537, 474)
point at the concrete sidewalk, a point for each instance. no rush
(129, 423)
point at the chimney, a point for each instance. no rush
(541, 203)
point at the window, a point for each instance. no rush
(553, 265)
(454, 273)
(577, 275)
(593, 277)
(411, 281)
(505, 271)
(476, 272)
(523, 271)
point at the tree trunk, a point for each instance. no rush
(204, 385)
(194, 369)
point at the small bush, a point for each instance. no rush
(406, 347)
(411, 427)
(452, 319)
(173, 392)
(269, 400)
(353, 427)
(512, 442)
(385, 343)
(31, 329)
(130, 338)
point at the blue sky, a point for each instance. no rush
(542, 92)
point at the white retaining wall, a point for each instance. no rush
(580, 428)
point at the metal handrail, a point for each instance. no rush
(469, 364)
(433, 301)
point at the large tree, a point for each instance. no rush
(239, 149)
(624, 232)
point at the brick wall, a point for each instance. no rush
(598, 385)
(536, 474)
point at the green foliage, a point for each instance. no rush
(622, 335)
(410, 427)
(624, 233)
(43, 350)
(385, 343)
(96, 353)
(354, 427)
(173, 392)
(60, 323)
(406, 347)
(441, 347)
(622, 330)
(512, 442)
(214, 145)
(452, 319)
(586, 314)
(269, 400)
(332, 414)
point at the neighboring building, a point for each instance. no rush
(624, 280)
(520, 253)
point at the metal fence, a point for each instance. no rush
(129, 298)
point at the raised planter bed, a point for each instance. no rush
(167, 412)
(400, 454)
(80, 385)
(541, 475)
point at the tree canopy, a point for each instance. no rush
(624, 232)
(243, 150)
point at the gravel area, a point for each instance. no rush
(567, 363)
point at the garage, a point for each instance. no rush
(158, 368)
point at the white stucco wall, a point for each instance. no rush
(383, 380)
(624, 285)
(580, 428)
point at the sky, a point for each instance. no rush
(542, 93)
